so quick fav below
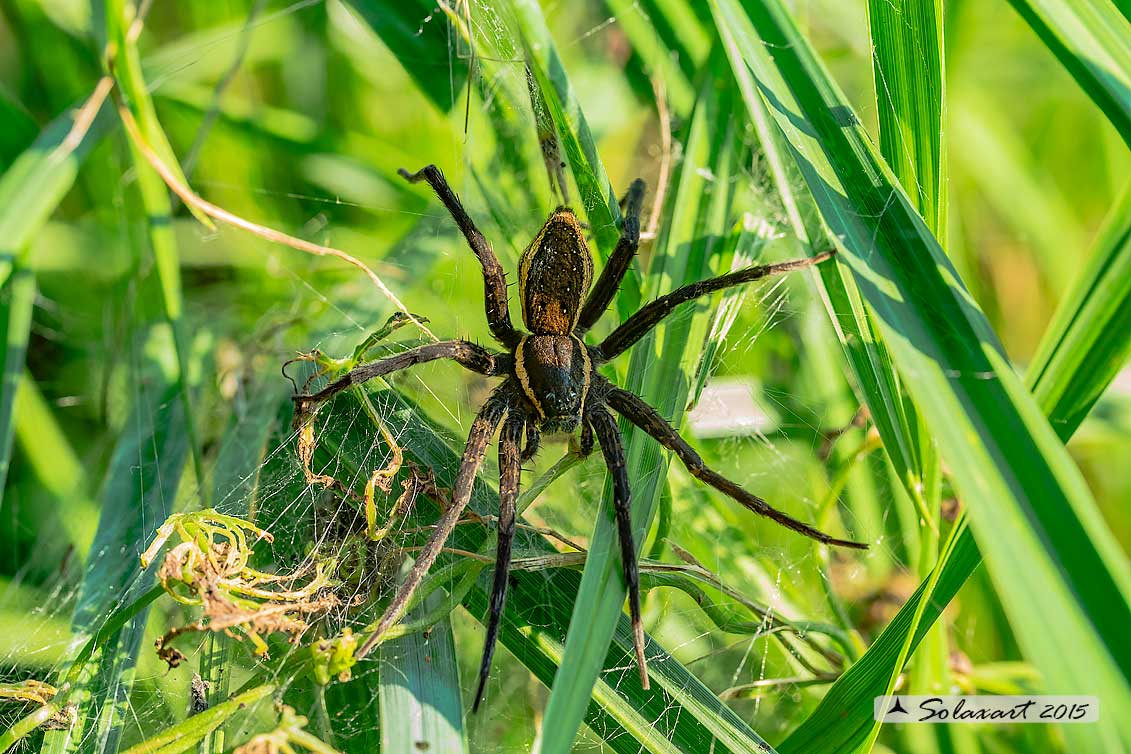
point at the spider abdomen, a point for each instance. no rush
(554, 372)
(554, 275)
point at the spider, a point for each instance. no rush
(551, 385)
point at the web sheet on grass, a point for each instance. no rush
(354, 198)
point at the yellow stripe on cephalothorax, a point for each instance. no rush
(588, 372)
(524, 378)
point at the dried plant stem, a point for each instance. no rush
(189, 197)
(86, 115)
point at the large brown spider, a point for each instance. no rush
(551, 384)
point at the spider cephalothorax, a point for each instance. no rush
(550, 384)
(554, 372)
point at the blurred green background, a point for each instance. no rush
(297, 116)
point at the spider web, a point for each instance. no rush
(257, 474)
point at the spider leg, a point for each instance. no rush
(612, 447)
(650, 315)
(510, 469)
(494, 279)
(638, 412)
(618, 263)
(468, 354)
(585, 446)
(533, 442)
(484, 426)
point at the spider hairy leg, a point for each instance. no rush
(533, 442)
(482, 429)
(609, 438)
(585, 445)
(641, 414)
(510, 469)
(640, 323)
(494, 279)
(467, 354)
(619, 261)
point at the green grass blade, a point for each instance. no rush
(57, 468)
(17, 299)
(37, 181)
(1089, 338)
(681, 31)
(907, 64)
(1093, 42)
(186, 734)
(244, 446)
(23, 630)
(421, 708)
(130, 80)
(908, 69)
(1028, 502)
(159, 209)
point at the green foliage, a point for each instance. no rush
(139, 379)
